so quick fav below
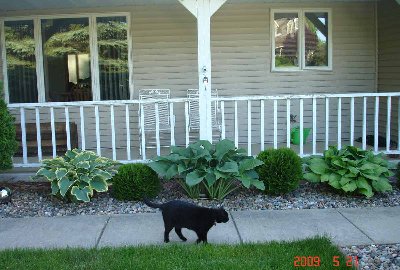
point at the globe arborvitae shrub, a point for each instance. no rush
(8, 144)
(282, 170)
(135, 181)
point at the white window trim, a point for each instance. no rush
(301, 40)
(95, 73)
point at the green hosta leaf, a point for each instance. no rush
(210, 177)
(342, 172)
(106, 175)
(312, 177)
(368, 167)
(54, 187)
(182, 168)
(258, 184)
(370, 176)
(382, 185)
(230, 166)
(249, 164)
(160, 167)
(364, 187)
(353, 170)
(48, 174)
(99, 184)
(60, 173)
(81, 194)
(344, 180)
(194, 178)
(223, 147)
(367, 192)
(84, 156)
(172, 171)
(181, 151)
(339, 163)
(246, 180)
(350, 187)
(64, 184)
(219, 175)
(71, 154)
(334, 180)
(325, 177)
(318, 166)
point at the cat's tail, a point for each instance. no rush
(151, 204)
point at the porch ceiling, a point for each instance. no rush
(7, 5)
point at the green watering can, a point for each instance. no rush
(295, 135)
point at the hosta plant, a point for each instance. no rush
(350, 169)
(78, 174)
(214, 166)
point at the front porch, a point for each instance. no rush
(112, 129)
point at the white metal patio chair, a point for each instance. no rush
(147, 114)
(194, 116)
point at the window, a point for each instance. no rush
(21, 61)
(78, 58)
(66, 59)
(301, 40)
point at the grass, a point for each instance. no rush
(272, 255)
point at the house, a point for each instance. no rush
(73, 72)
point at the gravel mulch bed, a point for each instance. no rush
(375, 256)
(34, 199)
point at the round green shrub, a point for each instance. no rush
(8, 143)
(282, 170)
(135, 181)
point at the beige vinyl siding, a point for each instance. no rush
(389, 60)
(241, 55)
(165, 56)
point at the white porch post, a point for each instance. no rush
(203, 10)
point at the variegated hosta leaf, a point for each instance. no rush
(81, 194)
(83, 165)
(49, 174)
(64, 184)
(54, 187)
(99, 184)
(60, 173)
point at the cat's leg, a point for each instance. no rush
(179, 233)
(198, 237)
(203, 237)
(166, 233)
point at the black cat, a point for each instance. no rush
(179, 214)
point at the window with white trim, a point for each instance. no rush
(301, 39)
(66, 59)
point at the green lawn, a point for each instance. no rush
(246, 256)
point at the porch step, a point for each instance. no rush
(46, 138)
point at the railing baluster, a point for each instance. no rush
(38, 134)
(23, 135)
(389, 112)
(314, 143)
(326, 123)
(376, 124)
(157, 128)
(128, 132)
(53, 132)
(339, 130)
(301, 127)
(249, 127)
(288, 123)
(67, 127)
(364, 128)
(172, 122)
(114, 152)
(262, 124)
(236, 125)
(187, 123)
(143, 140)
(398, 124)
(98, 143)
(352, 121)
(223, 120)
(275, 124)
(82, 116)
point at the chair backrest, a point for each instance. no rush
(149, 112)
(194, 116)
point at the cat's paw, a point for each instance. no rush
(166, 240)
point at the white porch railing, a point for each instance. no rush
(114, 128)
